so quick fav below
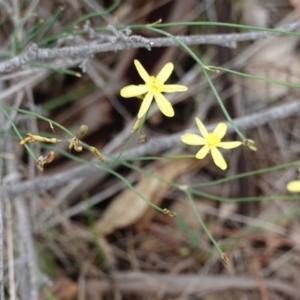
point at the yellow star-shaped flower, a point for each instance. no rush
(153, 87)
(210, 142)
(294, 186)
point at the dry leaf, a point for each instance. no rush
(127, 208)
(254, 13)
(64, 289)
(276, 58)
(295, 4)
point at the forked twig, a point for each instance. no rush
(88, 49)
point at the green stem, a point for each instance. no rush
(255, 77)
(184, 46)
(16, 130)
(232, 25)
(192, 203)
(246, 174)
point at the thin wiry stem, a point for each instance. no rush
(154, 145)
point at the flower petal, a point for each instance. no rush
(193, 139)
(171, 88)
(145, 105)
(229, 145)
(142, 72)
(164, 105)
(165, 72)
(293, 186)
(133, 91)
(201, 128)
(202, 152)
(220, 130)
(218, 158)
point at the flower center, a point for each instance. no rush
(212, 140)
(154, 85)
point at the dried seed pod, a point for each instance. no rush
(250, 144)
(169, 212)
(42, 160)
(97, 153)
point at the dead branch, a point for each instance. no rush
(152, 283)
(88, 49)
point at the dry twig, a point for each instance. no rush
(150, 283)
(153, 145)
(30, 288)
(36, 54)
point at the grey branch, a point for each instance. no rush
(88, 49)
(1, 235)
(30, 287)
(170, 284)
(159, 144)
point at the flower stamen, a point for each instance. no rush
(213, 140)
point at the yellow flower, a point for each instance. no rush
(153, 87)
(293, 186)
(210, 142)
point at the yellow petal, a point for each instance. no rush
(164, 105)
(218, 158)
(133, 91)
(171, 88)
(145, 105)
(201, 128)
(165, 72)
(192, 139)
(220, 130)
(229, 145)
(293, 186)
(143, 73)
(202, 152)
